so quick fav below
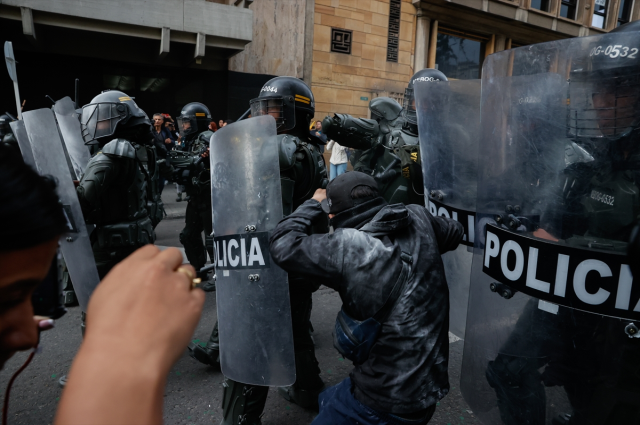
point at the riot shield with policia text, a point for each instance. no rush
(552, 324)
(42, 135)
(449, 122)
(254, 313)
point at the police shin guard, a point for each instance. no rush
(242, 404)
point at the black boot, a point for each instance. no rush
(242, 404)
(304, 392)
(210, 353)
(307, 399)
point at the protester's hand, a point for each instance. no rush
(205, 154)
(167, 141)
(139, 320)
(144, 310)
(320, 195)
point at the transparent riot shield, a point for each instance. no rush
(254, 313)
(23, 142)
(449, 123)
(49, 157)
(552, 323)
(71, 133)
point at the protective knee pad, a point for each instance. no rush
(183, 237)
(242, 404)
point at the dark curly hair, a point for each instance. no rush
(30, 211)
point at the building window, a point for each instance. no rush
(568, 9)
(459, 55)
(340, 41)
(394, 31)
(625, 12)
(599, 14)
(540, 5)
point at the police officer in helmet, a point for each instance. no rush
(387, 146)
(117, 191)
(193, 172)
(291, 103)
(595, 205)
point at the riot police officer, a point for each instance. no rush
(193, 172)
(302, 170)
(117, 191)
(576, 182)
(389, 143)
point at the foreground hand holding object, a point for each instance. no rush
(145, 289)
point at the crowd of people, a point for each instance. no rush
(368, 234)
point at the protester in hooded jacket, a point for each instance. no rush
(406, 372)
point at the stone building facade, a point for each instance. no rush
(346, 82)
(351, 51)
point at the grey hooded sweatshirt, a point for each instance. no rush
(407, 369)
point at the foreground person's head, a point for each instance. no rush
(32, 222)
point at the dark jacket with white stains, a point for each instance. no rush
(407, 369)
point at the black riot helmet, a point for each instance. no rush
(289, 100)
(112, 114)
(194, 119)
(604, 90)
(424, 76)
(384, 108)
(5, 128)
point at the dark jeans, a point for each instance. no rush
(338, 406)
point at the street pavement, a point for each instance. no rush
(194, 391)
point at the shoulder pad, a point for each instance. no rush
(119, 148)
(574, 153)
(386, 107)
(205, 136)
(287, 145)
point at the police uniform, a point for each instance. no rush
(387, 147)
(302, 171)
(193, 124)
(118, 189)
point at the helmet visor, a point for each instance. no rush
(409, 106)
(100, 120)
(269, 106)
(187, 125)
(604, 108)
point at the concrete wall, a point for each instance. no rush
(194, 16)
(279, 35)
(341, 81)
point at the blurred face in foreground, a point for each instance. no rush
(21, 272)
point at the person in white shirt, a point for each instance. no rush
(338, 160)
